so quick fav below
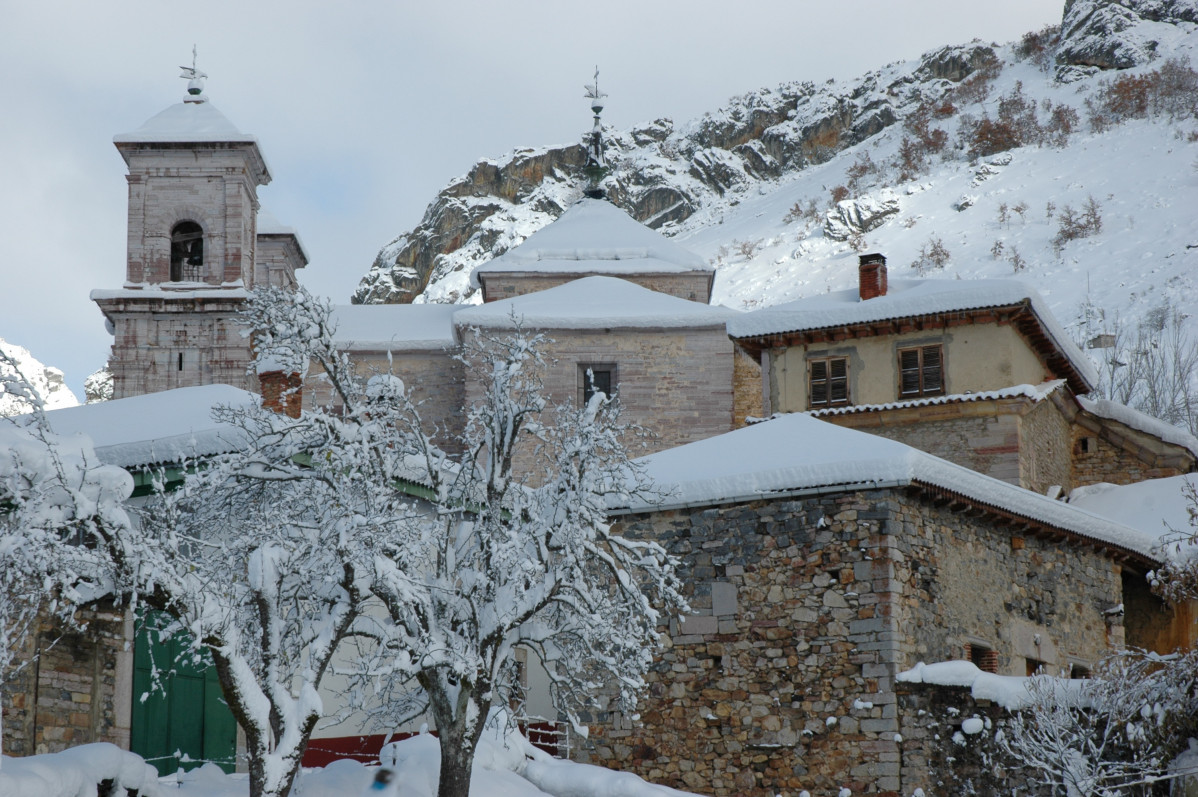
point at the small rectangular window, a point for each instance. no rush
(983, 657)
(828, 381)
(921, 371)
(1034, 666)
(596, 377)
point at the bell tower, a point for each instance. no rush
(192, 244)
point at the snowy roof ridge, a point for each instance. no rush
(156, 427)
(593, 235)
(1141, 422)
(395, 327)
(1036, 393)
(796, 452)
(909, 299)
(595, 302)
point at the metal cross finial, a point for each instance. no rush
(195, 80)
(596, 168)
(190, 72)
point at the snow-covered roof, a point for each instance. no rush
(908, 299)
(1137, 420)
(157, 427)
(798, 453)
(595, 236)
(1157, 507)
(1036, 393)
(595, 303)
(269, 225)
(186, 123)
(395, 327)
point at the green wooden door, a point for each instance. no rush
(186, 723)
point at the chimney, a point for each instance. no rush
(282, 392)
(871, 271)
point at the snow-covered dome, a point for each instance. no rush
(595, 237)
(187, 122)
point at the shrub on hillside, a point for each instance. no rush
(1171, 90)
(1037, 46)
(1073, 224)
(933, 255)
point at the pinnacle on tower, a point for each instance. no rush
(195, 80)
(596, 168)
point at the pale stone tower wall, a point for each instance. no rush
(184, 332)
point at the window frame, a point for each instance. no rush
(584, 385)
(828, 381)
(921, 371)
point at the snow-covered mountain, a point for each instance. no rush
(1068, 159)
(47, 380)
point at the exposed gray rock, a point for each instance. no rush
(860, 215)
(1115, 35)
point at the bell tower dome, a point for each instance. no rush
(192, 244)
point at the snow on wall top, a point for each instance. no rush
(1009, 691)
(595, 303)
(269, 225)
(186, 123)
(156, 427)
(797, 452)
(1036, 393)
(395, 327)
(1141, 422)
(908, 299)
(1157, 507)
(178, 290)
(593, 235)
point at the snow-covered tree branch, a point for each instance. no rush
(62, 518)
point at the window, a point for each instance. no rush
(1034, 666)
(187, 252)
(828, 381)
(596, 377)
(921, 371)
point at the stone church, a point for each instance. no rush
(864, 480)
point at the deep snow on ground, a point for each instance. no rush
(505, 765)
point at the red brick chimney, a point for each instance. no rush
(282, 392)
(871, 272)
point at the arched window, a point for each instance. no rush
(187, 252)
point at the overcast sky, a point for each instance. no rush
(365, 110)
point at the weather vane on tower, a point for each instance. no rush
(596, 168)
(195, 80)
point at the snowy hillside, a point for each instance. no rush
(1069, 160)
(47, 380)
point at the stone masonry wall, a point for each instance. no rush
(151, 334)
(746, 387)
(434, 380)
(986, 443)
(677, 383)
(1099, 460)
(210, 185)
(1044, 453)
(693, 286)
(75, 692)
(805, 609)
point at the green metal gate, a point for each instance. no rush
(186, 723)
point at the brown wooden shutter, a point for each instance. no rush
(909, 372)
(933, 373)
(838, 380)
(819, 383)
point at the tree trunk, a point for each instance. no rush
(457, 760)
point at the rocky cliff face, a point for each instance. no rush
(661, 175)
(669, 177)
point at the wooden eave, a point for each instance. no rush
(1021, 316)
(962, 504)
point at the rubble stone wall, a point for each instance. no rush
(805, 609)
(72, 689)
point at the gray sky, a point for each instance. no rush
(366, 109)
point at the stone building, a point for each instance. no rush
(821, 560)
(194, 251)
(821, 563)
(975, 371)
